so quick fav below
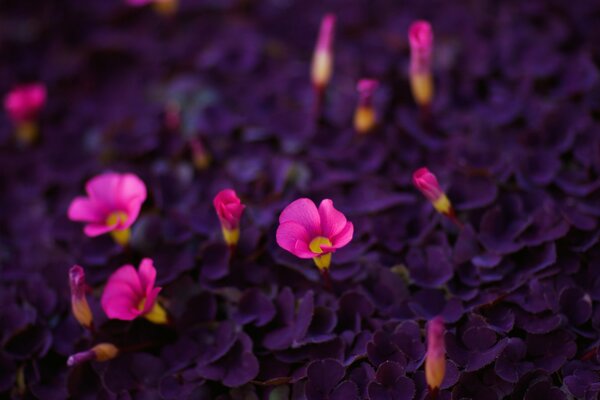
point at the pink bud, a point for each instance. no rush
(435, 361)
(24, 102)
(365, 118)
(428, 184)
(229, 209)
(366, 89)
(100, 352)
(322, 63)
(79, 305)
(420, 37)
(308, 232)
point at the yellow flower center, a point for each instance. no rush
(322, 262)
(121, 236)
(157, 314)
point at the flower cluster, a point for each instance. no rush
(192, 206)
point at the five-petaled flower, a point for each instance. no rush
(113, 204)
(23, 104)
(79, 305)
(308, 232)
(420, 38)
(229, 210)
(130, 293)
(435, 360)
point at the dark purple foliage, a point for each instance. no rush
(513, 134)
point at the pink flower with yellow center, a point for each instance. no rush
(435, 359)
(308, 232)
(23, 104)
(420, 39)
(130, 293)
(113, 204)
(229, 209)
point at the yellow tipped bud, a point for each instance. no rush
(365, 119)
(443, 205)
(27, 132)
(231, 236)
(322, 69)
(422, 88)
(166, 7)
(79, 305)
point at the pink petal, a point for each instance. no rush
(102, 189)
(289, 234)
(302, 250)
(83, 209)
(304, 212)
(151, 299)
(122, 294)
(147, 275)
(93, 230)
(343, 237)
(332, 221)
(129, 195)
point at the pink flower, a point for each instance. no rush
(129, 294)
(100, 352)
(229, 210)
(322, 63)
(365, 117)
(310, 233)
(435, 360)
(113, 204)
(24, 102)
(79, 305)
(420, 38)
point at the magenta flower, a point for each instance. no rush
(113, 204)
(420, 38)
(229, 210)
(23, 104)
(130, 294)
(435, 359)
(428, 184)
(100, 352)
(79, 305)
(322, 62)
(365, 117)
(307, 232)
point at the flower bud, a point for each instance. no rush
(100, 352)
(79, 305)
(435, 360)
(229, 210)
(420, 38)
(322, 63)
(365, 117)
